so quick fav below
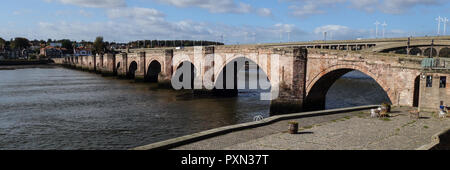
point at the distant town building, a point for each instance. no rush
(82, 51)
(59, 45)
(52, 52)
(2, 53)
(16, 54)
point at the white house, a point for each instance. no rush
(81, 51)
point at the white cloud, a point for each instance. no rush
(213, 6)
(127, 24)
(401, 6)
(93, 3)
(135, 13)
(340, 32)
(306, 8)
(85, 13)
(265, 12)
(22, 12)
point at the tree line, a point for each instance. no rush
(99, 46)
(170, 43)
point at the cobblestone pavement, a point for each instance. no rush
(345, 131)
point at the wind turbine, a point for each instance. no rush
(439, 20)
(384, 27)
(289, 35)
(281, 35)
(445, 20)
(246, 37)
(376, 28)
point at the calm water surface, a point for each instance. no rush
(58, 108)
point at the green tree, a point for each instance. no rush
(67, 44)
(20, 43)
(99, 45)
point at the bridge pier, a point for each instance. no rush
(165, 76)
(292, 89)
(108, 66)
(121, 65)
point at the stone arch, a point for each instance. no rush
(445, 52)
(317, 88)
(415, 51)
(427, 51)
(132, 70)
(237, 63)
(153, 71)
(178, 75)
(229, 60)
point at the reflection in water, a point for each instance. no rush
(57, 108)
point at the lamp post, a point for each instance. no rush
(431, 49)
(407, 46)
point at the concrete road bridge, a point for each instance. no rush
(299, 75)
(419, 46)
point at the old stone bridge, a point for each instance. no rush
(303, 78)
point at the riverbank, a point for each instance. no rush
(14, 67)
(23, 62)
(353, 130)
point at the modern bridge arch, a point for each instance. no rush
(318, 88)
(427, 52)
(153, 71)
(445, 52)
(415, 51)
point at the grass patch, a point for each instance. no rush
(347, 117)
(307, 127)
(409, 123)
(426, 127)
(385, 119)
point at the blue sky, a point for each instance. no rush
(246, 21)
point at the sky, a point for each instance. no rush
(230, 21)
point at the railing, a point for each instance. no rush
(436, 63)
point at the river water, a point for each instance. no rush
(59, 108)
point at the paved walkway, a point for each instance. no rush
(345, 131)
